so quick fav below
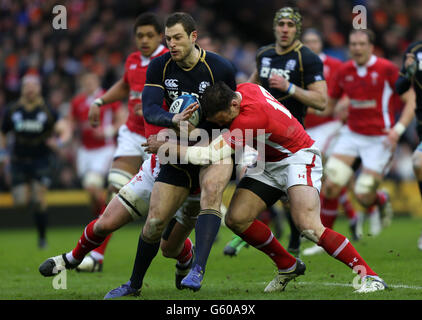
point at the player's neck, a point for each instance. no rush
(282, 50)
(191, 59)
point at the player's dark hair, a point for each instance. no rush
(148, 19)
(185, 19)
(312, 31)
(369, 33)
(216, 98)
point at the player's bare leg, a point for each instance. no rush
(213, 179)
(304, 202)
(114, 217)
(164, 202)
(417, 168)
(121, 172)
(241, 219)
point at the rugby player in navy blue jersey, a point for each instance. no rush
(293, 74)
(411, 76)
(186, 69)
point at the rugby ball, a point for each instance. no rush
(182, 102)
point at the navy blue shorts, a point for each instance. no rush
(27, 170)
(181, 175)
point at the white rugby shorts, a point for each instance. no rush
(140, 188)
(325, 135)
(301, 168)
(94, 160)
(130, 144)
(375, 154)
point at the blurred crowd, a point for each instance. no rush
(98, 38)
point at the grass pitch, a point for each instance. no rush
(393, 255)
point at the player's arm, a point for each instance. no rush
(314, 96)
(406, 74)
(119, 91)
(216, 151)
(407, 115)
(254, 77)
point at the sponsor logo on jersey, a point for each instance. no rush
(132, 66)
(202, 86)
(268, 72)
(266, 62)
(291, 64)
(171, 84)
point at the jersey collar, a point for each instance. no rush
(146, 60)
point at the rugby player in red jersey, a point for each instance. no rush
(290, 164)
(371, 133)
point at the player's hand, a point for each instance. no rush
(392, 139)
(278, 82)
(137, 108)
(185, 114)
(94, 115)
(152, 145)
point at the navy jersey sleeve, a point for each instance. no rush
(313, 67)
(153, 95)
(6, 124)
(403, 83)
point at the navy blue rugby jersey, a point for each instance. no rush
(172, 81)
(299, 65)
(31, 129)
(403, 83)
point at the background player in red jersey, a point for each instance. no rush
(324, 130)
(370, 134)
(129, 154)
(289, 163)
(97, 145)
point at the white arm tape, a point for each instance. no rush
(217, 150)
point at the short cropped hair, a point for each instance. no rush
(148, 19)
(369, 33)
(216, 98)
(185, 19)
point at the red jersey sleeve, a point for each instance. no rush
(335, 89)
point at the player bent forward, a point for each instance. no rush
(292, 165)
(129, 204)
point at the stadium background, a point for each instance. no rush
(99, 38)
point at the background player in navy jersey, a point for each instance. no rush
(32, 123)
(185, 69)
(411, 76)
(293, 74)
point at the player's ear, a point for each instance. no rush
(194, 36)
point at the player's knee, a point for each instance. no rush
(365, 186)
(234, 223)
(153, 229)
(337, 175)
